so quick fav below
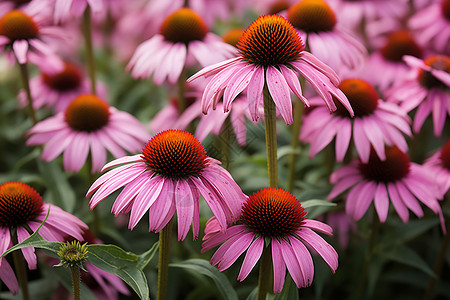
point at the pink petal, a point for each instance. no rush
(279, 90)
(292, 263)
(293, 83)
(251, 258)
(410, 201)
(318, 226)
(185, 205)
(8, 277)
(374, 135)
(238, 82)
(159, 211)
(305, 260)
(361, 141)
(279, 266)
(325, 250)
(214, 69)
(236, 249)
(221, 237)
(76, 152)
(126, 197)
(255, 92)
(123, 160)
(28, 252)
(20, 48)
(397, 202)
(381, 202)
(343, 136)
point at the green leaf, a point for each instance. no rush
(203, 267)
(126, 265)
(145, 258)
(402, 233)
(407, 256)
(316, 202)
(289, 292)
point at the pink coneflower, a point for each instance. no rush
(272, 220)
(183, 38)
(432, 26)
(427, 90)
(64, 9)
(385, 67)
(405, 183)
(59, 89)
(439, 163)
(375, 124)
(169, 175)
(318, 25)
(88, 125)
(270, 53)
(22, 208)
(24, 34)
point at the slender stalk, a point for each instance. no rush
(181, 84)
(165, 236)
(270, 119)
(20, 267)
(87, 33)
(225, 143)
(298, 113)
(265, 274)
(440, 260)
(75, 272)
(369, 254)
(24, 74)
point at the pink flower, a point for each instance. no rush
(405, 183)
(375, 124)
(425, 89)
(439, 164)
(59, 89)
(431, 25)
(272, 220)
(21, 207)
(317, 24)
(169, 175)
(166, 54)
(88, 125)
(271, 53)
(25, 34)
(64, 9)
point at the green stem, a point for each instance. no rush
(298, 113)
(225, 143)
(440, 260)
(20, 267)
(270, 119)
(26, 85)
(75, 272)
(181, 83)
(87, 33)
(165, 236)
(265, 274)
(369, 254)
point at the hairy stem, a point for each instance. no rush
(165, 236)
(20, 267)
(87, 33)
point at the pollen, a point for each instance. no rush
(66, 80)
(19, 204)
(445, 155)
(362, 96)
(270, 41)
(87, 113)
(175, 154)
(437, 62)
(398, 44)
(312, 16)
(273, 212)
(184, 26)
(394, 168)
(16, 25)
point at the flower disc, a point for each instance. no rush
(273, 212)
(437, 62)
(269, 41)
(175, 154)
(18, 26)
(445, 155)
(362, 96)
(232, 36)
(184, 26)
(87, 113)
(312, 16)
(19, 204)
(395, 167)
(400, 43)
(68, 79)
(445, 6)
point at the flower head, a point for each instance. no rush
(439, 164)
(169, 175)
(88, 125)
(375, 123)
(22, 208)
(396, 178)
(183, 36)
(73, 254)
(272, 217)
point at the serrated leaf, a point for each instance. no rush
(203, 267)
(115, 260)
(407, 256)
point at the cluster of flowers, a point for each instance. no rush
(370, 72)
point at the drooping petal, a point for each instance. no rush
(305, 260)
(251, 258)
(381, 202)
(279, 266)
(279, 90)
(325, 250)
(185, 205)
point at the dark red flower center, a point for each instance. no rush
(273, 212)
(445, 155)
(19, 204)
(395, 167)
(66, 80)
(445, 6)
(437, 62)
(87, 113)
(184, 26)
(175, 154)
(16, 25)
(233, 36)
(278, 7)
(400, 43)
(362, 96)
(312, 16)
(269, 41)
